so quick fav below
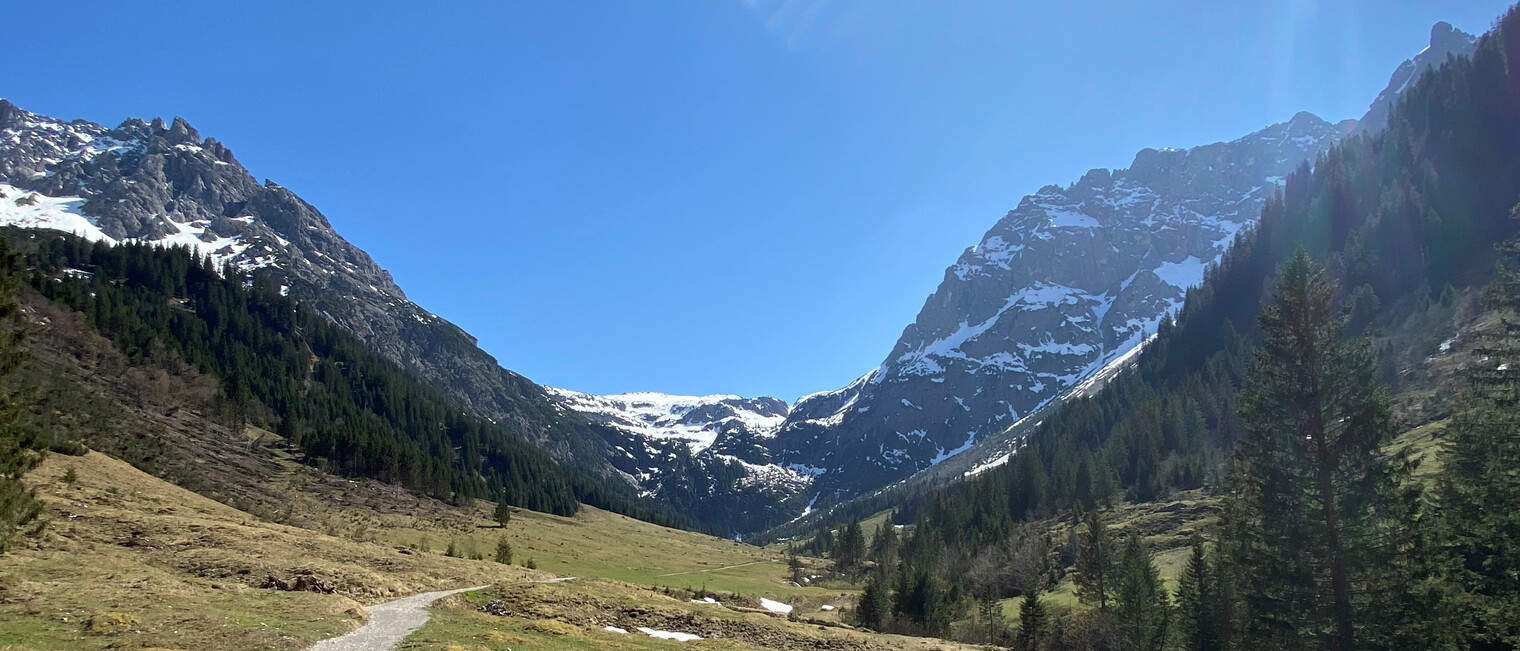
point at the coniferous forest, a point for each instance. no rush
(286, 368)
(1270, 392)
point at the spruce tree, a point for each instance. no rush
(1198, 611)
(503, 514)
(1095, 562)
(873, 610)
(850, 549)
(1479, 488)
(1141, 608)
(1033, 622)
(1317, 506)
(885, 546)
(503, 551)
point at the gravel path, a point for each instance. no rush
(389, 623)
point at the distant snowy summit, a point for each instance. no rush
(697, 421)
(1061, 290)
(709, 455)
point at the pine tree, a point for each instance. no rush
(503, 514)
(1095, 562)
(1141, 606)
(885, 546)
(1479, 489)
(850, 549)
(873, 610)
(1198, 603)
(503, 551)
(1033, 621)
(1316, 503)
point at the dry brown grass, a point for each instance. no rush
(575, 616)
(156, 565)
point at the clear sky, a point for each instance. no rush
(698, 197)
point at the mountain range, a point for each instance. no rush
(1062, 286)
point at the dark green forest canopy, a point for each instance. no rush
(285, 367)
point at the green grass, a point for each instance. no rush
(596, 543)
(1424, 444)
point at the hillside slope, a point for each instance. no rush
(164, 183)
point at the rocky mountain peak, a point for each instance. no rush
(162, 182)
(1445, 41)
(1069, 280)
(1445, 37)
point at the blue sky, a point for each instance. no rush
(698, 197)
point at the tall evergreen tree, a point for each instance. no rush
(1316, 498)
(1198, 603)
(1095, 562)
(1033, 622)
(1479, 490)
(850, 549)
(1142, 610)
(886, 546)
(874, 608)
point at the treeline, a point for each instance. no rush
(1400, 221)
(286, 368)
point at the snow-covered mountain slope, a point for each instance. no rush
(1056, 294)
(710, 455)
(1445, 42)
(696, 420)
(163, 183)
(1069, 280)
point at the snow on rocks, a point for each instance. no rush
(27, 209)
(614, 629)
(697, 420)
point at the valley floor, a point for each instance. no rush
(130, 561)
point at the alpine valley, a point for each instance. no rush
(1067, 284)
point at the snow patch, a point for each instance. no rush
(775, 606)
(1000, 460)
(26, 209)
(1184, 274)
(668, 635)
